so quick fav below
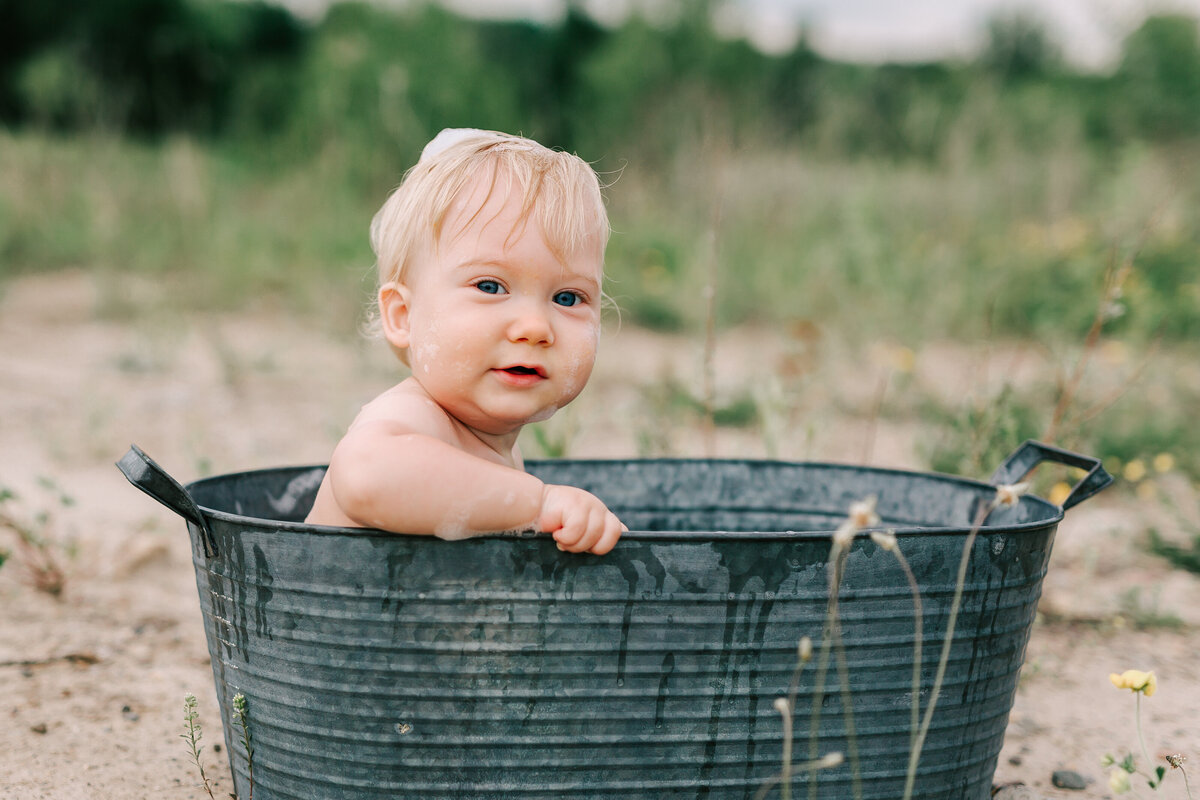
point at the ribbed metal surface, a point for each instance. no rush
(386, 666)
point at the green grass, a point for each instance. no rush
(210, 231)
(1016, 245)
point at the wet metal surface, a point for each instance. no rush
(382, 666)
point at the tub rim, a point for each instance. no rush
(1056, 513)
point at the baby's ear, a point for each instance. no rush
(394, 309)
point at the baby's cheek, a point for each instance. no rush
(577, 371)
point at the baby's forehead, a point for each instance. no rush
(491, 211)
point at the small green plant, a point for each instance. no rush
(1123, 771)
(39, 549)
(240, 719)
(192, 734)
(554, 438)
(1184, 557)
(982, 434)
(1146, 614)
(670, 397)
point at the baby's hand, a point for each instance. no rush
(579, 521)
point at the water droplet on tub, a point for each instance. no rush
(620, 681)
(732, 595)
(420, 595)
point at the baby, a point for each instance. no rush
(490, 259)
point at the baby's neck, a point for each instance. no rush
(499, 447)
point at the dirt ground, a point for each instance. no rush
(92, 681)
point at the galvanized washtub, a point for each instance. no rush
(378, 665)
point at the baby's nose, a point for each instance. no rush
(531, 325)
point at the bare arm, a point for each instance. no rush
(384, 476)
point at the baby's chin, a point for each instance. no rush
(542, 415)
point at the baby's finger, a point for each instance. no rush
(591, 531)
(612, 532)
(568, 533)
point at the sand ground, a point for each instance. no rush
(92, 681)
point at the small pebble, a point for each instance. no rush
(26, 672)
(216, 747)
(1014, 791)
(1015, 761)
(1068, 779)
(39, 728)
(129, 714)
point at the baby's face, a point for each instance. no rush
(501, 333)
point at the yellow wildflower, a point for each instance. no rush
(1135, 470)
(1135, 681)
(1059, 492)
(1164, 462)
(1118, 781)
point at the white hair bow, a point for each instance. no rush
(448, 137)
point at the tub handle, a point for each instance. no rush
(1031, 453)
(145, 473)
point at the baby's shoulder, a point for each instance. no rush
(405, 409)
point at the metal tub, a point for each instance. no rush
(378, 665)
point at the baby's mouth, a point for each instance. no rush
(522, 370)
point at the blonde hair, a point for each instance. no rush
(559, 191)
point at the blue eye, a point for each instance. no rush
(490, 287)
(567, 299)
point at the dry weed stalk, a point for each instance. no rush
(887, 540)
(862, 516)
(1108, 308)
(1005, 496)
(712, 276)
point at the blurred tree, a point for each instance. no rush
(1159, 77)
(381, 83)
(544, 63)
(145, 66)
(24, 29)
(794, 87)
(1019, 48)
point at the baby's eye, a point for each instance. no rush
(568, 299)
(489, 286)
